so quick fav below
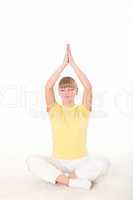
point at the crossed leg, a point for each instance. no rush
(40, 166)
(65, 179)
(91, 169)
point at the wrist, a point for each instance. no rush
(74, 65)
(62, 66)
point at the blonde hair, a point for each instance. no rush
(67, 81)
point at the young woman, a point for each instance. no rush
(70, 163)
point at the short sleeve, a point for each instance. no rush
(84, 110)
(53, 109)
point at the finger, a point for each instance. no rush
(69, 51)
(68, 56)
(64, 59)
(65, 52)
(68, 45)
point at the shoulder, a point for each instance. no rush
(55, 107)
(84, 110)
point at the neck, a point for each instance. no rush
(68, 103)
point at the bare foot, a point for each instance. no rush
(92, 185)
(72, 174)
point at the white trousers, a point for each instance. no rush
(49, 168)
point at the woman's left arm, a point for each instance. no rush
(87, 95)
(81, 75)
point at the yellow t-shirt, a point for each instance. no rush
(69, 131)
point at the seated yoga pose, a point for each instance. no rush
(70, 163)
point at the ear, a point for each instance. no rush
(58, 92)
(76, 91)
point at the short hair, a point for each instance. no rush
(67, 81)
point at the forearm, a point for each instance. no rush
(53, 78)
(82, 77)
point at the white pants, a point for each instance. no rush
(49, 168)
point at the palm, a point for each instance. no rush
(66, 59)
(70, 58)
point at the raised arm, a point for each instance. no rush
(49, 90)
(87, 95)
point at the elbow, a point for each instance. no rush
(88, 87)
(48, 85)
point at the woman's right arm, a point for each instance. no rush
(53, 78)
(49, 91)
(51, 81)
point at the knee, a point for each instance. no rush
(106, 164)
(28, 160)
(31, 160)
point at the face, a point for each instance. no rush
(67, 93)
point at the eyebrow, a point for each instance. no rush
(65, 88)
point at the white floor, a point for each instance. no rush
(16, 183)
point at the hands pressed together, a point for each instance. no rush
(68, 59)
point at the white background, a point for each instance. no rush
(33, 37)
